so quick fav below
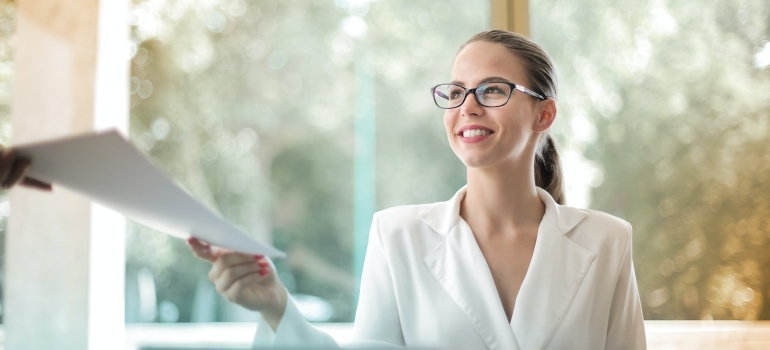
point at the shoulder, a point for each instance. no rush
(600, 232)
(402, 216)
(403, 230)
(403, 211)
(601, 221)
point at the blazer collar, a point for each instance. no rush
(558, 266)
(444, 216)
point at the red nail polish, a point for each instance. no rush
(258, 257)
(263, 273)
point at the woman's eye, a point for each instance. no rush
(455, 95)
(493, 91)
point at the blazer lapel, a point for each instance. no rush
(558, 266)
(459, 266)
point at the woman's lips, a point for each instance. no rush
(474, 133)
(474, 139)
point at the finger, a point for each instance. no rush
(234, 273)
(36, 184)
(6, 162)
(233, 293)
(229, 259)
(202, 250)
(18, 169)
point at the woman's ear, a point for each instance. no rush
(547, 115)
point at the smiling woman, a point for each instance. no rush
(483, 261)
(276, 113)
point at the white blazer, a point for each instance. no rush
(426, 284)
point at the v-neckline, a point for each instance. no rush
(555, 272)
(489, 270)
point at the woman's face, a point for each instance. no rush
(512, 129)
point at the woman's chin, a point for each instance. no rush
(475, 155)
(475, 161)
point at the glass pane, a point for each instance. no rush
(7, 28)
(665, 106)
(277, 114)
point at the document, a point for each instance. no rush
(107, 169)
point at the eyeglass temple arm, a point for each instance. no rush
(528, 92)
(440, 94)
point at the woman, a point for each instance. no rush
(501, 265)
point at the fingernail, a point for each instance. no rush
(258, 257)
(263, 273)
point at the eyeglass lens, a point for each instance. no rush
(488, 95)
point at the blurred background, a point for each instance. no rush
(296, 120)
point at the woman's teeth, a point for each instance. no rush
(477, 132)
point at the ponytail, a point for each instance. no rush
(548, 169)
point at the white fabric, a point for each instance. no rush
(426, 283)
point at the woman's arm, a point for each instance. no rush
(377, 318)
(251, 281)
(237, 277)
(293, 330)
(626, 322)
(377, 322)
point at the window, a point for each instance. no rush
(277, 114)
(665, 105)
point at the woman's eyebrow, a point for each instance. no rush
(495, 79)
(485, 80)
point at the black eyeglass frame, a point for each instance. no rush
(474, 90)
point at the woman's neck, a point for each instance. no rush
(502, 200)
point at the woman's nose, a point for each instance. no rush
(471, 106)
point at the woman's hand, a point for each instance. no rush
(12, 170)
(247, 280)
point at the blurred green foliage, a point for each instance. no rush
(678, 96)
(251, 106)
(664, 113)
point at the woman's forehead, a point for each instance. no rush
(478, 61)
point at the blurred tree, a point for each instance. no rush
(677, 99)
(664, 109)
(250, 104)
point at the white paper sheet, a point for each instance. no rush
(108, 170)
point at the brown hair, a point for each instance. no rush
(542, 79)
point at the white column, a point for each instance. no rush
(65, 257)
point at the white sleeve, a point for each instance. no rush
(377, 319)
(626, 322)
(377, 322)
(293, 330)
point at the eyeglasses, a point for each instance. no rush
(494, 94)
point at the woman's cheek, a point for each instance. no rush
(449, 124)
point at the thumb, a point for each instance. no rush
(203, 251)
